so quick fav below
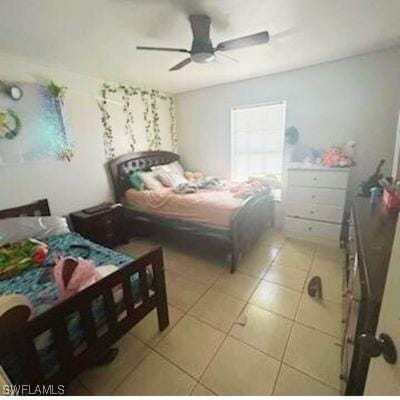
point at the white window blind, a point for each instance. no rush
(258, 140)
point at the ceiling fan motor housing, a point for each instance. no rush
(202, 50)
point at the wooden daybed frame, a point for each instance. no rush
(20, 340)
(246, 226)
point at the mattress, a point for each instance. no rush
(214, 208)
(43, 294)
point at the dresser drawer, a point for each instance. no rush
(324, 179)
(330, 197)
(314, 211)
(312, 228)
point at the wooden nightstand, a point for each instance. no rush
(105, 227)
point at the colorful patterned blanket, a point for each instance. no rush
(42, 291)
(43, 294)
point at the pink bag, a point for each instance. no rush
(73, 275)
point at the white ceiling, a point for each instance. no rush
(98, 37)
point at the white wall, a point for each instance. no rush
(69, 186)
(356, 98)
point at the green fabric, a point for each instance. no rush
(136, 180)
(21, 255)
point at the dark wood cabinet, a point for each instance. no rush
(105, 227)
(368, 243)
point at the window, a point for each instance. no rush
(257, 140)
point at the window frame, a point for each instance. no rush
(256, 105)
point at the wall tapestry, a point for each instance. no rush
(33, 124)
(136, 119)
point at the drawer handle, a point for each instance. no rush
(309, 228)
(312, 212)
(313, 196)
(315, 179)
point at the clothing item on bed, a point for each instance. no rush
(250, 188)
(185, 187)
(212, 183)
(82, 273)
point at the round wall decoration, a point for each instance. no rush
(10, 124)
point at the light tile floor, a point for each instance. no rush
(255, 332)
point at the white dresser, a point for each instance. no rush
(314, 205)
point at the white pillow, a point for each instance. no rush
(150, 180)
(15, 229)
(170, 179)
(174, 167)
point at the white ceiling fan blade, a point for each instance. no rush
(246, 41)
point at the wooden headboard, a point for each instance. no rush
(38, 208)
(144, 160)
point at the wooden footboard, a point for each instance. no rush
(97, 341)
(248, 223)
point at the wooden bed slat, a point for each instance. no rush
(88, 323)
(111, 309)
(144, 290)
(128, 298)
(27, 351)
(63, 345)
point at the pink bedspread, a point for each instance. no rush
(209, 207)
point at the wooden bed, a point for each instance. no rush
(20, 340)
(246, 226)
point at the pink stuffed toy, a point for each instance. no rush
(335, 157)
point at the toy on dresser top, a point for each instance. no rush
(337, 155)
(391, 192)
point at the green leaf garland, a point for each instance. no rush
(151, 101)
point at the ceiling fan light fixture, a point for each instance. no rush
(202, 51)
(203, 58)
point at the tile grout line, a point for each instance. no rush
(311, 377)
(317, 330)
(226, 336)
(290, 334)
(228, 333)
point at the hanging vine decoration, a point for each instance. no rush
(174, 136)
(147, 120)
(127, 95)
(108, 138)
(151, 101)
(156, 121)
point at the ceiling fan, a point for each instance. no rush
(202, 50)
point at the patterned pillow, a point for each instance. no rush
(150, 180)
(174, 167)
(170, 179)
